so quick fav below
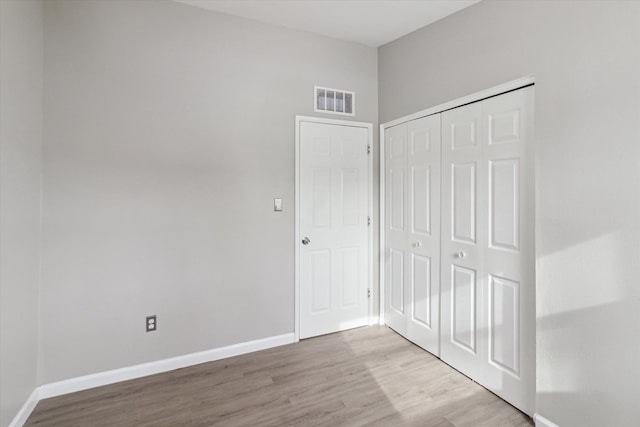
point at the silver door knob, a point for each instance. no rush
(417, 244)
(461, 254)
(306, 241)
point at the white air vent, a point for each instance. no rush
(334, 101)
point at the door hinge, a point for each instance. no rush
(368, 221)
(368, 149)
(368, 292)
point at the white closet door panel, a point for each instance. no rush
(504, 315)
(504, 204)
(423, 236)
(463, 180)
(396, 272)
(422, 290)
(396, 227)
(463, 308)
(397, 192)
(509, 260)
(463, 202)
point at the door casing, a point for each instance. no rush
(369, 127)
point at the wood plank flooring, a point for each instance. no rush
(365, 376)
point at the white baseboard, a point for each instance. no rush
(24, 412)
(145, 369)
(542, 421)
(137, 371)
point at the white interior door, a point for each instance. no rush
(412, 231)
(488, 260)
(334, 210)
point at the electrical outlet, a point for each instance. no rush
(152, 323)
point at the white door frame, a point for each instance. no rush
(369, 127)
(494, 91)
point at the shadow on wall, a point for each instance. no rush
(588, 320)
(595, 377)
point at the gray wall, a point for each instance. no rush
(168, 132)
(20, 196)
(586, 60)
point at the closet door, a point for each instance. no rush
(423, 233)
(462, 239)
(396, 227)
(488, 299)
(412, 231)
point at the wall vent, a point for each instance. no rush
(334, 101)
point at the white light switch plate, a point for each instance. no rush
(277, 205)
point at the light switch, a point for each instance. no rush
(277, 205)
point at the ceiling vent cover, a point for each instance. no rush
(334, 101)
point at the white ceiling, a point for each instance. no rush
(370, 22)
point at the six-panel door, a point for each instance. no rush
(334, 267)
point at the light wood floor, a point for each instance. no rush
(366, 376)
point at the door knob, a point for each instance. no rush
(461, 254)
(306, 241)
(417, 244)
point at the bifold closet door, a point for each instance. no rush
(488, 260)
(412, 231)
